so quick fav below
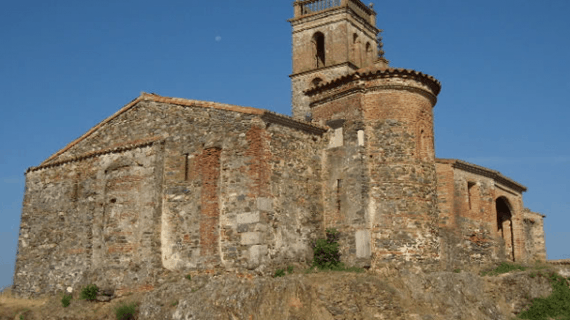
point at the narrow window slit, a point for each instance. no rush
(338, 194)
(186, 166)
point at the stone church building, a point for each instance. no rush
(178, 184)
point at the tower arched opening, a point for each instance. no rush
(369, 55)
(319, 49)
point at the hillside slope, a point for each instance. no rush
(322, 295)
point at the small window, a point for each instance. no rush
(355, 49)
(338, 194)
(368, 53)
(186, 166)
(471, 194)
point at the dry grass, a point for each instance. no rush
(13, 308)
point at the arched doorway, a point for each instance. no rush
(505, 226)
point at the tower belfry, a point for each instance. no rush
(331, 38)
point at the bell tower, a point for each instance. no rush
(331, 38)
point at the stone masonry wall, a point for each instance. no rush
(389, 170)
(338, 27)
(91, 221)
(295, 214)
(346, 192)
(470, 233)
(399, 131)
(303, 81)
(166, 186)
(346, 107)
(346, 39)
(469, 236)
(210, 178)
(534, 236)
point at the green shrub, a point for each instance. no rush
(189, 277)
(66, 300)
(23, 313)
(126, 311)
(89, 293)
(289, 269)
(279, 273)
(504, 267)
(555, 306)
(326, 254)
(457, 270)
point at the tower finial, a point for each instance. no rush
(381, 59)
(380, 44)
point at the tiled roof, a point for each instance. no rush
(270, 116)
(197, 103)
(380, 71)
(473, 168)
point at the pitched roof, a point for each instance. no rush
(473, 168)
(265, 114)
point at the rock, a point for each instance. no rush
(102, 298)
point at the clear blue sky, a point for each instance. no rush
(66, 65)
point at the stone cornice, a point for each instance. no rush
(338, 11)
(430, 96)
(486, 172)
(317, 15)
(370, 73)
(344, 64)
(93, 154)
(272, 117)
(338, 95)
(346, 5)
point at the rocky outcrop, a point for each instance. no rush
(340, 295)
(395, 294)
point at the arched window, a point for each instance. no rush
(316, 81)
(355, 49)
(422, 141)
(368, 53)
(319, 49)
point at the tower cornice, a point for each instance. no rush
(314, 8)
(370, 73)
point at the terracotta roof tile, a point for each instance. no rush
(493, 174)
(378, 69)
